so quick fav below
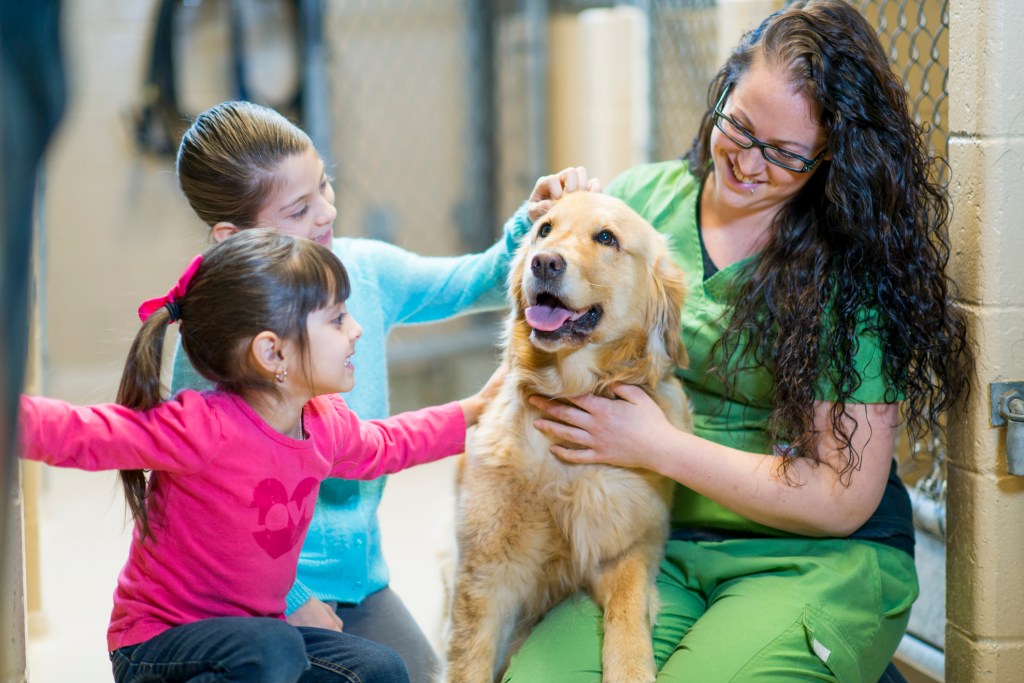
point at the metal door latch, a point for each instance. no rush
(1006, 402)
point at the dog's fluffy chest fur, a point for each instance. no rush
(597, 510)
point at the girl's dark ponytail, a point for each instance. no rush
(140, 389)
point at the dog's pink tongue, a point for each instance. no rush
(546, 318)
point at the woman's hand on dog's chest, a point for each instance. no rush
(586, 421)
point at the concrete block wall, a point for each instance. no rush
(985, 547)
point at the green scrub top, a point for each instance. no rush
(667, 195)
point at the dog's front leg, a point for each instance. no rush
(481, 623)
(500, 550)
(626, 592)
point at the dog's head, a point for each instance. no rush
(592, 273)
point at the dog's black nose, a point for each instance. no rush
(547, 265)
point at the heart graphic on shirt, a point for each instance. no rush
(283, 519)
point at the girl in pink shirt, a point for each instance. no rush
(234, 473)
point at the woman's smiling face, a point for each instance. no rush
(765, 103)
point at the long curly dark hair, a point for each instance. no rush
(867, 233)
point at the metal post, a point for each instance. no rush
(478, 213)
(316, 105)
(536, 16)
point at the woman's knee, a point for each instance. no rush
(565, 646)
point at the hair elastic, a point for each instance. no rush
(173, 311)
(170, 300)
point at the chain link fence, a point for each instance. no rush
(684, 53)
(410, 108)
(916, 36)
(412, 153)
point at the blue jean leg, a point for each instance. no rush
(256, 650)
(249, 649)
(344, 658)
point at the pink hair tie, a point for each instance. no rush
(170, 300)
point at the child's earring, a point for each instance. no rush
(281, 375)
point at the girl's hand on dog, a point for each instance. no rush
(475, 405)
(626, 431)
(551, 187)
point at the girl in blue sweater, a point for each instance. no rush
(243, 166)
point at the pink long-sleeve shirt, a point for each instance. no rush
(230, 498)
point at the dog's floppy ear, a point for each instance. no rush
(668, 290)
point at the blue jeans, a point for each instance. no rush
(256, 650)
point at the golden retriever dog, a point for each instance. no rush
(596, 301)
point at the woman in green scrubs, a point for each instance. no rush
(811, 222)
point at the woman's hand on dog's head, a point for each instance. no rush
(551, 187)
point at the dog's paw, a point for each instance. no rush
(625, 668)
(630, 675)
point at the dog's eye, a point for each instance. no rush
(606, 238)
(544, 230)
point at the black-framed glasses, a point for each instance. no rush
(776, 155)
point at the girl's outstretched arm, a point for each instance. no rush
(369, 449)
(113, 437)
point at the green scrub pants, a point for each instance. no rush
(765, 609)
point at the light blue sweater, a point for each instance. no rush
(341, 558)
